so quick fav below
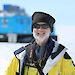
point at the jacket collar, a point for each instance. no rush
(49, 45)
(53, 48)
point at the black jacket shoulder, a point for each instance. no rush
(19, 50)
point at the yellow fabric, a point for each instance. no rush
(68, 67)
(64, 67)
(31, 71)
(13, 67)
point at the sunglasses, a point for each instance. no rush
(44, 26)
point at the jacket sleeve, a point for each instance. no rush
(69, 67)
(73, 68)
(13, 67)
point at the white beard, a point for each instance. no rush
(41, 38)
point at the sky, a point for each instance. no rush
(62, 10)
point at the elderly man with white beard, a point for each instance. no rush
(43, 55)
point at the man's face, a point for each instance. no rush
(40, 32)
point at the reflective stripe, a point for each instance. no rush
(58, 72)
(51, 62)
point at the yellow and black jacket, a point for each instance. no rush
(58, 61)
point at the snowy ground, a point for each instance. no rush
(66, 36)
(6, 54)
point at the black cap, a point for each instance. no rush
(43, 17)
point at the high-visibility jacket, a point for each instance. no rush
(58, 63)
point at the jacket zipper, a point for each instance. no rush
(58, 72)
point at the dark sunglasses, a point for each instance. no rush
(44, 26)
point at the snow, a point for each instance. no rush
(6, 54)
(66, 36)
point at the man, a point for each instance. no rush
(43, 56)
